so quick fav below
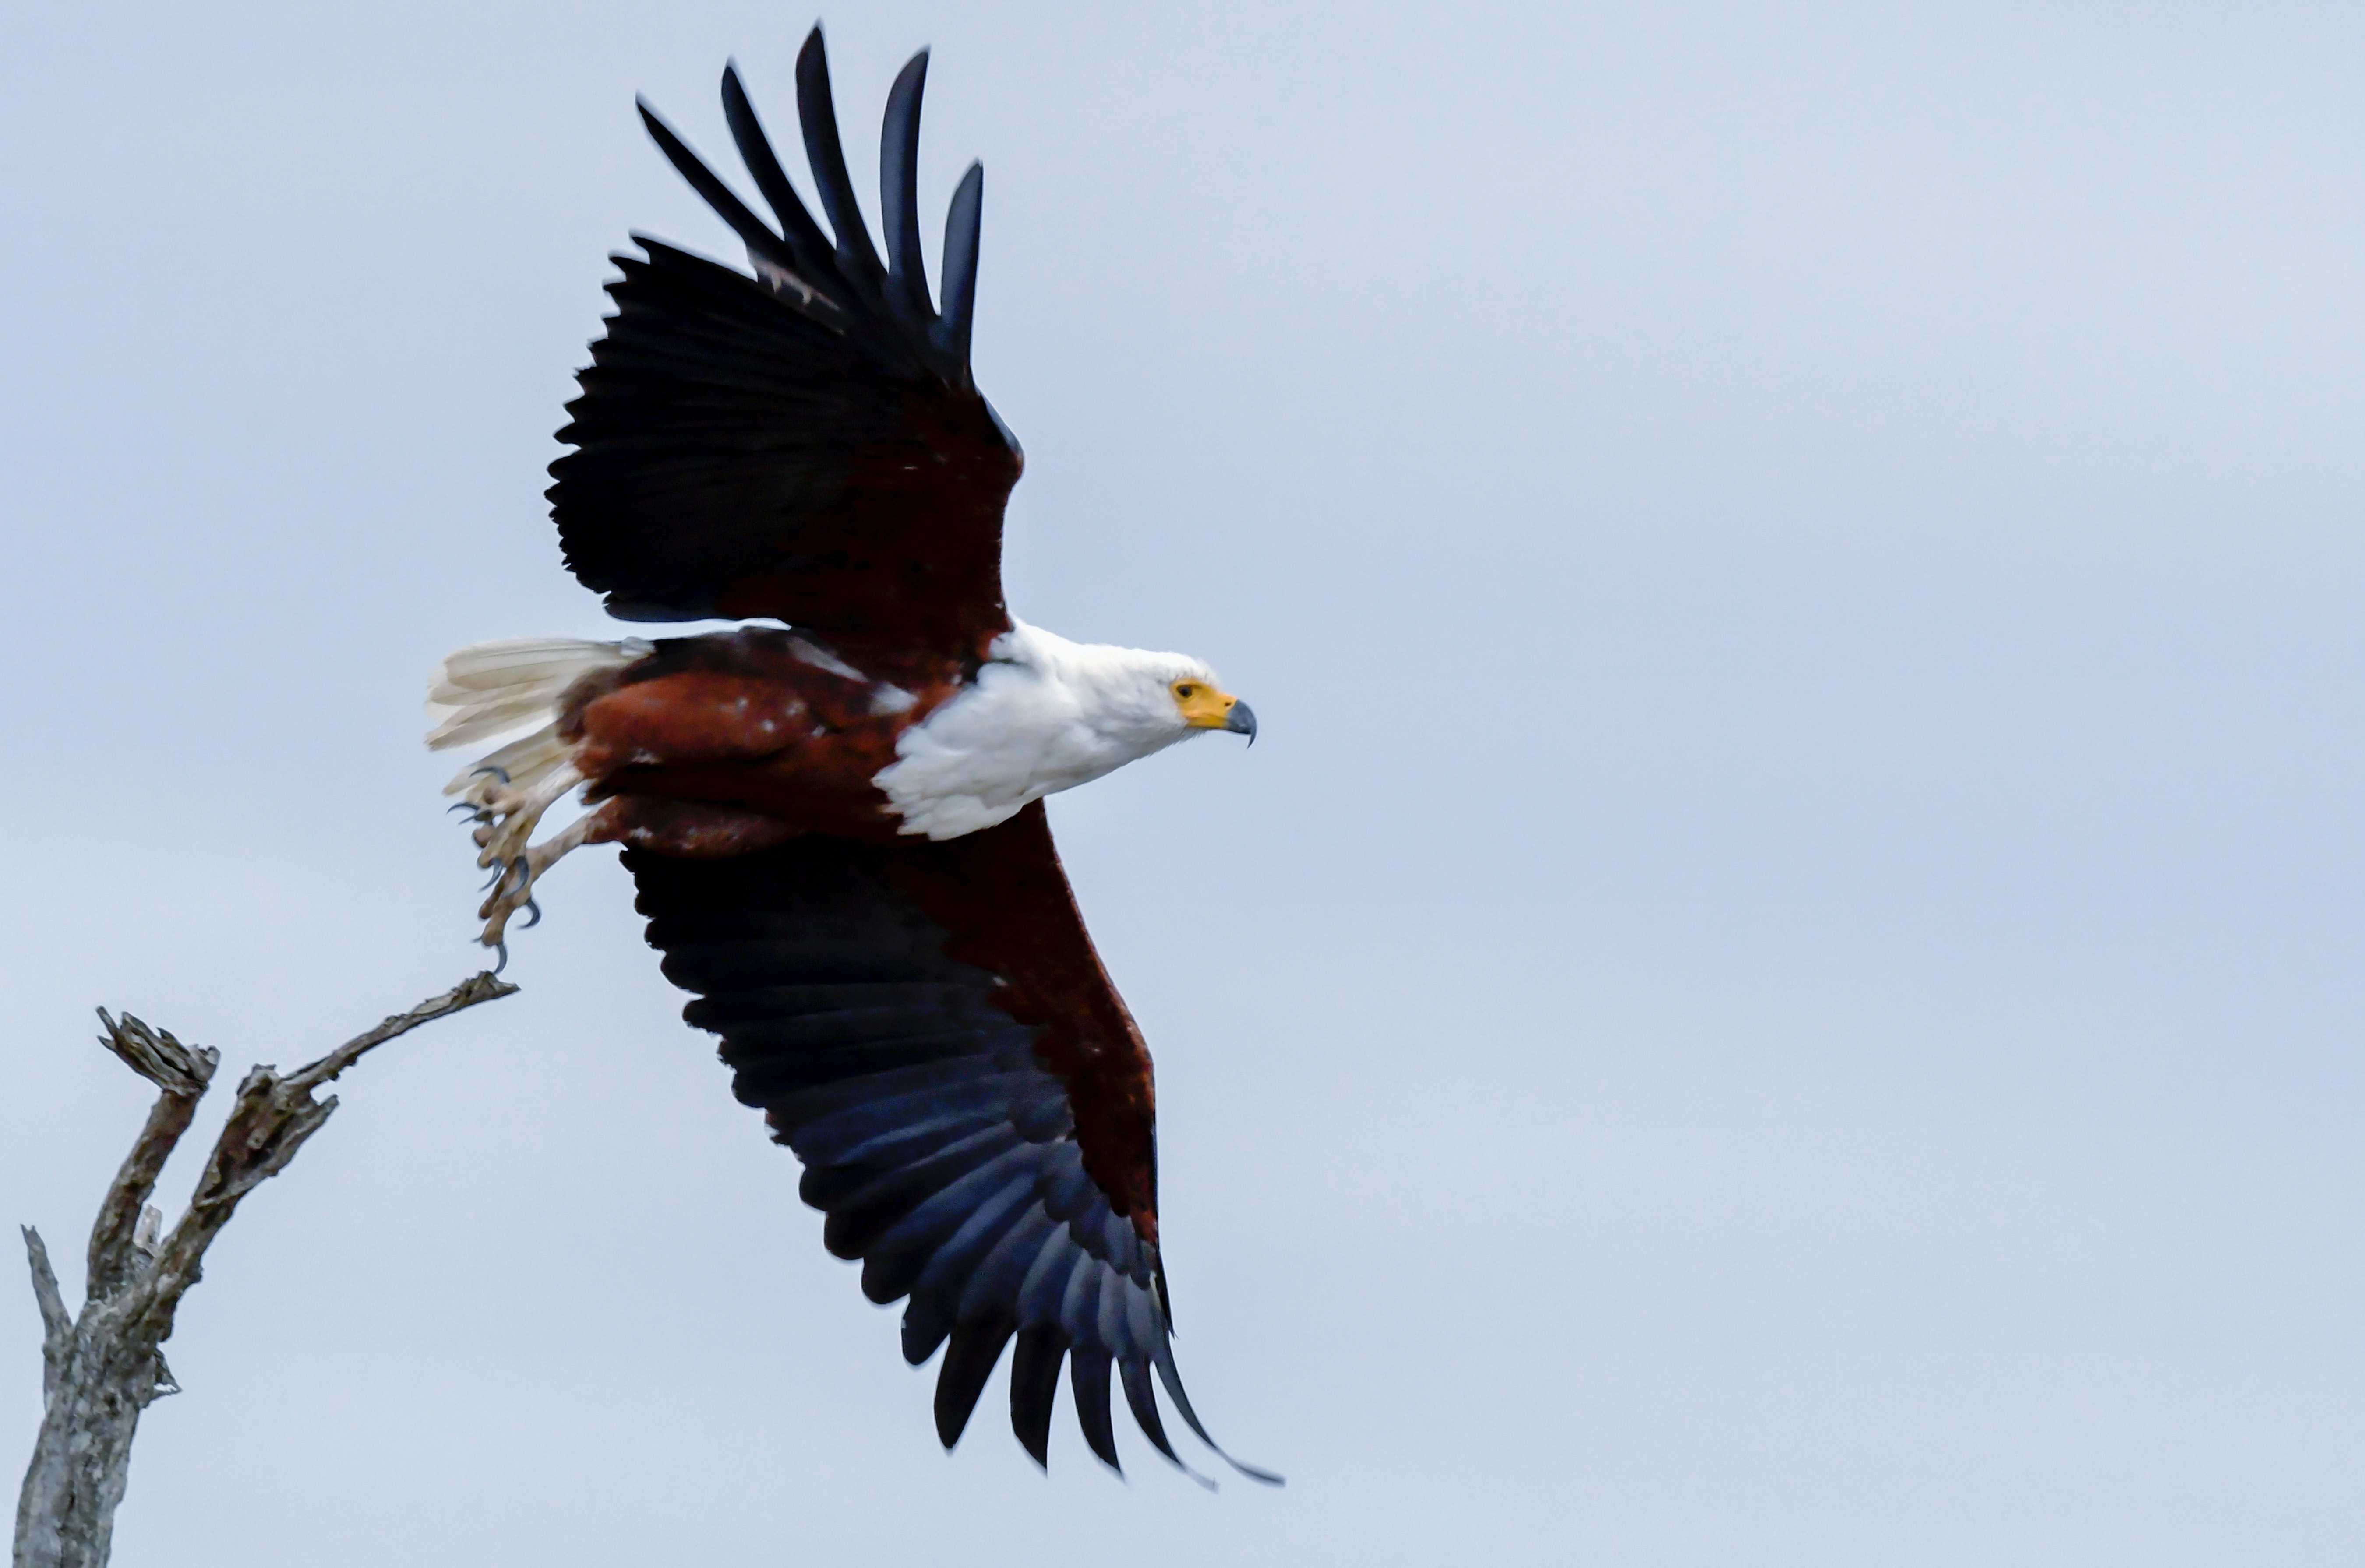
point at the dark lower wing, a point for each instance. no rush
(925, 1023)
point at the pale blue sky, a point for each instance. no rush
(1780, 986)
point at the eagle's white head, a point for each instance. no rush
(1046, 714)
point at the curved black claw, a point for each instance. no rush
(476, 814)
(532, 914)
(501, 875)
(501, 773)
(503, 949)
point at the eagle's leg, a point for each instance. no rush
(513, 884)
(510, 814)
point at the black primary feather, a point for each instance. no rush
(969, 1361)
(899, 194)
(817, 116)
(1133, 1372)
(951, 333)
(1034, 1387)
(752, 230)
(1088, 1370)
(815, 260)
(1001, 1273)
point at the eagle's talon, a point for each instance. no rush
(511, 890)
(501, 773)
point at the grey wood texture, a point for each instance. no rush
(102, 1368)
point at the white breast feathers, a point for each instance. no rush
(1044, 714)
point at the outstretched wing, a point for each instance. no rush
(927, 1026)
(806, 444)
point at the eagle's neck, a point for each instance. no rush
(1044, 714)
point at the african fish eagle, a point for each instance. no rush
(835, 821)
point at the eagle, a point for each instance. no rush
(833, 814)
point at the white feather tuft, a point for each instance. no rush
(490, 689)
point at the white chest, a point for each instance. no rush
(1038, 720)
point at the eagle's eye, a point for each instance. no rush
(1187, 690)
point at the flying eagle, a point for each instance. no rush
(836, 821)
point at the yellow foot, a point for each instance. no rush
(512, 887)
(508, 816)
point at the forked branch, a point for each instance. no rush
(101, 1369)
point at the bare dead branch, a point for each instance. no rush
(57, 1323)
(159, 1059)
(101, 1369)
(182, 1073)
(475, 988)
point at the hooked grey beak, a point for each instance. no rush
(1241, 721)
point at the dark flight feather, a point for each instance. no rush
(969, 1361)
(992, 1281)
(812, 251)
(752, 230)
(1001, 1273)
(1034, 1387)
(817, 115)
(1088, 1378)
(899, 194)
(1133, 1373)
(951, 334)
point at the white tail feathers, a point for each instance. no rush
(490, 689)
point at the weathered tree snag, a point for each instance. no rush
(100, 1370)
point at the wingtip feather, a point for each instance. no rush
(812, 249)
(752, 230)
(969, 1359)
(1088, 1380)
(1034, 1388)
(1171, 1376)
(817, 117)
(963, 219)
(899, 193)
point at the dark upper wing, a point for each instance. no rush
(927, 1026)
(805, 444)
